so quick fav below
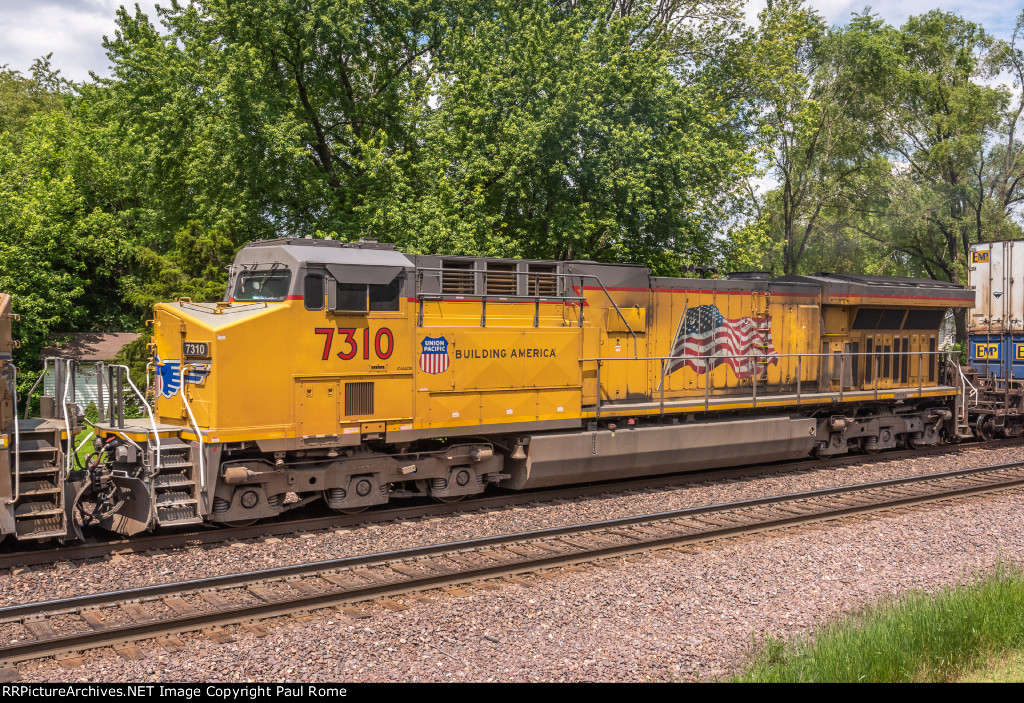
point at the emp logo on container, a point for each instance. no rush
(434, 356)
(988, 352)
(979, 257)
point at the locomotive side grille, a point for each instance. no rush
(359, 398)
(542, 280)
(501, 279)
(457, 277)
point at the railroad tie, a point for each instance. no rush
(342, 581)
(94, 618)
(374, 578)
(463, 560)
(256, 628)
(137, 612)
(518, 581)
(217, 601)
(357, 613)
(129, 651)
(180, 606)
(437, 567)
(406, 570)
(171, 643)
(40, 629)
(70, 661)
(304, 586)
(264, 593)
(219, 635)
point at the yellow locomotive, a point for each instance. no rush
(353, 373)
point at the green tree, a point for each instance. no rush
(940, 113)
(814, 127)
(562, 133)
(951, 136)
(579, 129)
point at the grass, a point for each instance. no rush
(1005, 669)
(919, 637)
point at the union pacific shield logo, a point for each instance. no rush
(434, 357)
(168, 378)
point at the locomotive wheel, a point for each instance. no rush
(344, 511)
(985, 429)
(351, 511)
(449, 499)
(869, 450)
(239, 523)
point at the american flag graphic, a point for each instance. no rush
(434, 356)
(705, 332)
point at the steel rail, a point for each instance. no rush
(401, 582)
(213, 534)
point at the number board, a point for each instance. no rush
(195, 349)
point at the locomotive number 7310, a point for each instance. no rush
(383, 342)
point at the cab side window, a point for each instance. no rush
(313, 291)
(385, 298)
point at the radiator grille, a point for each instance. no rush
(542, 280)
(501, 279)
(359, 398)
(458, 277)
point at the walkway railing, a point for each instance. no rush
(832, 367)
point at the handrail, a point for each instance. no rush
(636, 344)
(483, 297)
(31, 390)
(195, 425)
(761, 358)
(498, 296)
(965, 382)
(64, 411)
(17, 440)
(680, 357)
(149, 411)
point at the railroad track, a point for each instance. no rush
(101, 547)
(121, 618)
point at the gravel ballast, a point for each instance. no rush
(673, 615)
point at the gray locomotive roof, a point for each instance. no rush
(320, 251)
(878, 280)
(353, 260)
(840, 287)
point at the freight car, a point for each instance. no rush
(352, 373)
(995, 328)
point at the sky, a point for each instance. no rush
(73, 29)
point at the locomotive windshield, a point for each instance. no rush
(263, 285)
